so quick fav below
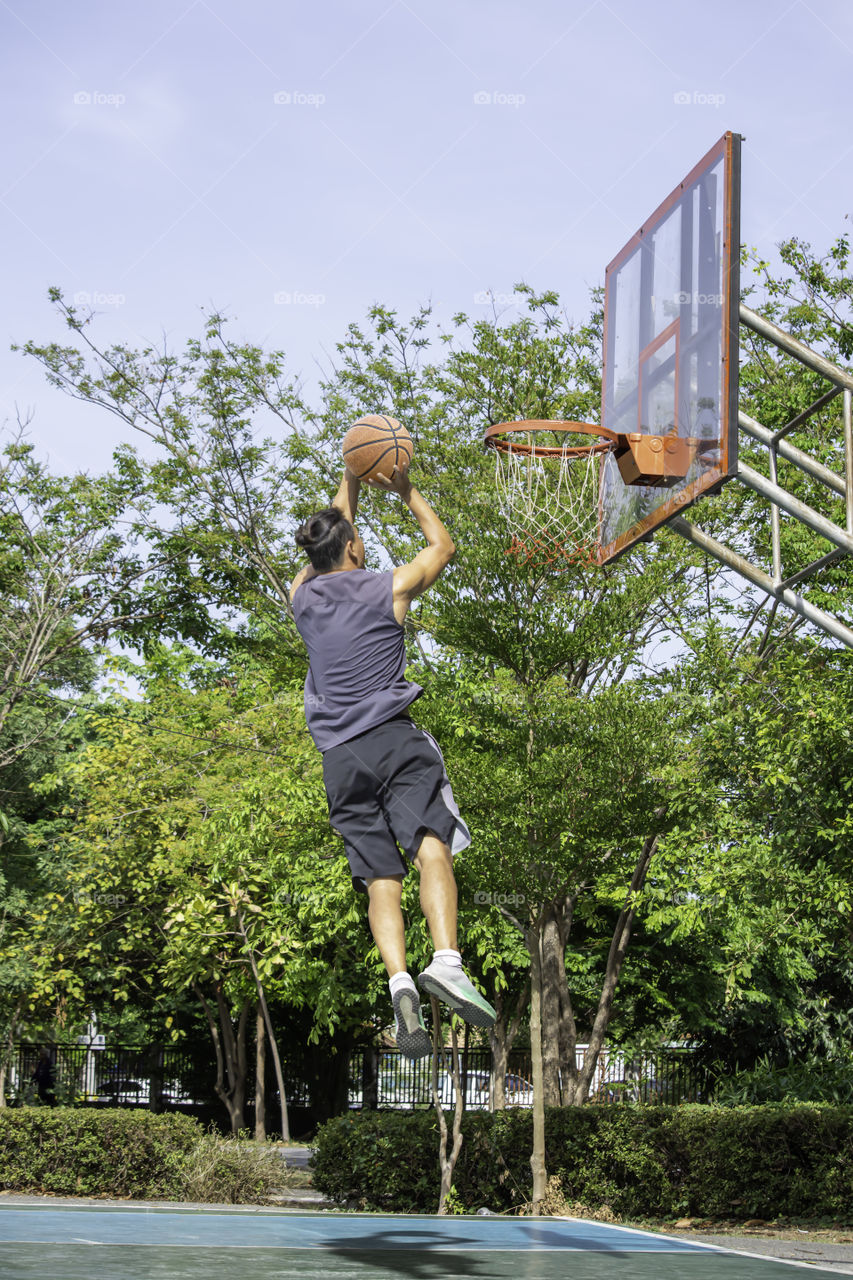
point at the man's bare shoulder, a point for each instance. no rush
(304, 575)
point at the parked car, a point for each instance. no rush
(121, 1090)
(476, 1089)
(518, 1091)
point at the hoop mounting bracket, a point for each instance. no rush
(657, 461)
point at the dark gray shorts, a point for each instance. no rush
(385, 788)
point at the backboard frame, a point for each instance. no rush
(712, 477)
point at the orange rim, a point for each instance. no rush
(494, 438)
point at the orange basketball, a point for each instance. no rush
(375, 445)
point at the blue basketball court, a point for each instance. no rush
(141, 1243)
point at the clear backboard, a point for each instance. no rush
(671, 349)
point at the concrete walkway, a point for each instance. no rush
(830, 1257)
(296, 1157)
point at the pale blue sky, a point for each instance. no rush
(149, 166)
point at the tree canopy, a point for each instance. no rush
(644, 750)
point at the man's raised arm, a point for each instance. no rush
(411, 580)
(346, 499)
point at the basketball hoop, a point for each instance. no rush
(547, 484)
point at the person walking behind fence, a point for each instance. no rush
(43, 1078)
(385, 779)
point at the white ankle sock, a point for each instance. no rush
(453, 958)
(401, 981)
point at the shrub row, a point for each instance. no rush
(71, 1151)
(829, 1081)
(136, 1154)
(771, 1161)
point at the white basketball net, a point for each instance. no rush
(550, 504)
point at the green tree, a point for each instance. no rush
(769, 897)
(527, 652)
(568, 734)
(200, 860)
(547, 639)
(69, 575)
(36, 737)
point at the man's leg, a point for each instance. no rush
(445, 977)
(438, 891)
(386, 921)
(386, 924)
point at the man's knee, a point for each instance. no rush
(384, 888)
(433, 853)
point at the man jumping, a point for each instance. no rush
(385, 779)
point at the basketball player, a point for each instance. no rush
(385, 779)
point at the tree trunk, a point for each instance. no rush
(615, 960)
(279, 1074)
(553, 961)
(501, 1038)
(500, 1061)
(557, 930)
(533, 938)
(446, 1159)
(230, 1049)
(7, 1054)
(234, 1045)
(260, 1077)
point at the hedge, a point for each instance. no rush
(655, 1161)
(72, 1151)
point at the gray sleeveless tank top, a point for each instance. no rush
(357, 654)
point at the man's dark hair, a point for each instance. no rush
(324, 536)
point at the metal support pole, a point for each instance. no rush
(775, 522)
(767, 329)
(794, 507)
(816, 566)
(803, 417)
(848, 457)
(763, 581)
(790, 451)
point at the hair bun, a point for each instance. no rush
(324, 536)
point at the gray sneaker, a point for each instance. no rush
(412, 1036)
(451, 985)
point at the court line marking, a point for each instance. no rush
(827, 1268)
(715, 1248)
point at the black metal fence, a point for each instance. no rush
(157, 1076)
(170, 1077)
(388, 1081)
